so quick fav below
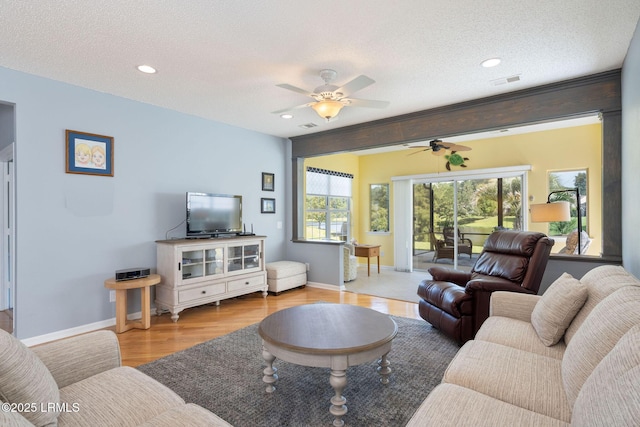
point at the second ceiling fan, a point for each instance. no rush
(329, 99)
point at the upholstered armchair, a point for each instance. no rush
(457, 302)
(571, 247)
(350, 263)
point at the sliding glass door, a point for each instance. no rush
(453, 218)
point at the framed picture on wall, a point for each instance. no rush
(267, 181)
(88, 153)
(267, 205)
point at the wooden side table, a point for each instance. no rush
(121, 288)
(368, 251)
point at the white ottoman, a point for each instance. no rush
(283, 275)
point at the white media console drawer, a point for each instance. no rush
(201, 292)
(245, 282)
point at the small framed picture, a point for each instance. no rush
(267, 205)
(89, 154)
(267, 181)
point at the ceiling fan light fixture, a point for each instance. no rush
(327, 108)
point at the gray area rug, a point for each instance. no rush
(224, 375)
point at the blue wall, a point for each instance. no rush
(74, 231)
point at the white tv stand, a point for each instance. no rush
(201, 271)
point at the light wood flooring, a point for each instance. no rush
(200, 324)
(6, 320)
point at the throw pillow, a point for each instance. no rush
(25, 379)
(556, 309)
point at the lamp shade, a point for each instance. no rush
(327, 109)
(550, 212)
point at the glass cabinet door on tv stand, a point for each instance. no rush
(202, 262)
(243, 257)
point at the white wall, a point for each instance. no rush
(631, 156)
(74, 231)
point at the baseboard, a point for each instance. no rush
(66, 333)
(325, 286)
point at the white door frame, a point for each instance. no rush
(7, 239)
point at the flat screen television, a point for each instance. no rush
(213, 214)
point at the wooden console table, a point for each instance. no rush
(121, 288)
(368, 251)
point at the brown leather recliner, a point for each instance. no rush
(457, 302)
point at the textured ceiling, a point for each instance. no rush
(222, 59)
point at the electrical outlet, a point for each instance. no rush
(381, 253)
(308, 266)
(112, 296)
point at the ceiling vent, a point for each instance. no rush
(308, 126)
(505, 80)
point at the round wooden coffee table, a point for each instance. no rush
(333, 336)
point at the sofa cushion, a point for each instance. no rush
(517, 334)
(601, 330)
(600, 282)
(119, 397)
(477, 409)
(25, 379)
(610, 394)
(556, 309)
(187, 415)
(517, 377)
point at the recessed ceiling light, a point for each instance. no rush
(148, 69)
(287, 116)
(492, 62)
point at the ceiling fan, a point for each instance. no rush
(329, 99)
(439, 147)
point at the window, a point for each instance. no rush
(569, 180)
(379, 207)
(327, 205)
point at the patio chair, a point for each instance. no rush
(440, 248)
(465, 245)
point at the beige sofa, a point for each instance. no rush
(80, 382)
(507, 376)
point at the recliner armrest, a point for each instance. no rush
(448, 275)
(73, 359)
(493, 284)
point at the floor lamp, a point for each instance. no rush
(558, 211)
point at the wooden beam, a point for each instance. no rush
(572, 98)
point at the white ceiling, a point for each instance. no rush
(222, 59)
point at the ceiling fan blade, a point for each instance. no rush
(355, 85)
(295, 89)
(308, 104)
(418, 152)
(369, 103)
(456, 147)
